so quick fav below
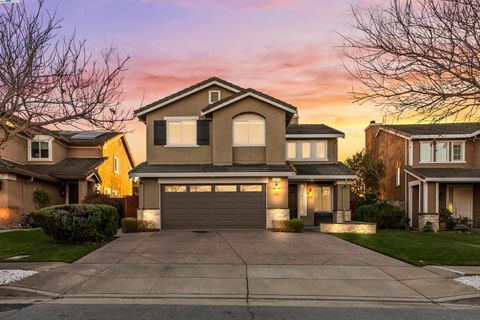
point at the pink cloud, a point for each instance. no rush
(244, 5)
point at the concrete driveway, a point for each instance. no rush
(243, 265)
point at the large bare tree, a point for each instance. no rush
(417, 57)
(49, 80)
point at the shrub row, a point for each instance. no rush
(77, 223)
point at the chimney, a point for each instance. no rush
(294, 119)
(372, 121)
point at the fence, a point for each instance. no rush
(130, 206)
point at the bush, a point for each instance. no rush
(98, 198)
(77, 223)
(453, 223)
(383, 214)
(293, 225)
(41, 198)
(428, 227)
(129, 225)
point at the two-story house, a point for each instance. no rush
(66, 164)
(429, 167)
(223, 157)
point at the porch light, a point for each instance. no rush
(310, 192)
(276, 188)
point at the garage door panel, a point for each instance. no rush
(213, 210)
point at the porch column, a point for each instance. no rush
(430, 205)
(341, 202)
(82, 190)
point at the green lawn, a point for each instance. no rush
(422, 248)
(40, 247)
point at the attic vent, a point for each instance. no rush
(90, 135)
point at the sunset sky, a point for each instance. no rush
(285, 48)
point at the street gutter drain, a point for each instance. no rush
(201, 231)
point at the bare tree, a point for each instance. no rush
(48, 80)
(417, 57)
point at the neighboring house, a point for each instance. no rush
(223, 157)
(66, 164)
(429, 167)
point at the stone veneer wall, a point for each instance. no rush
(10, 217)
(342, 216)
(364, 228)
(275, 217)
(433, 218)
(150, 215)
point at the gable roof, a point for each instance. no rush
(312, 131)
(437, 130)
(249, 93)
(186, 92)
(69, 168)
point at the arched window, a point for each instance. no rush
(249, 130)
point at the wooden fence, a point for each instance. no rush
(130, 206)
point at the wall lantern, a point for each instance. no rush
(276, 188)
(310, 192)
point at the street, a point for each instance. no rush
(61, 310)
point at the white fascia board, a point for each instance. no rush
(452, 179)
(250, 94)
(394, 133)
(313, 136)
(446, 136)
(324, 177)
(414, 175)
(185, 94)
(211, 174)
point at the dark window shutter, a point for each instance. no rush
(160, 132)
(203, 132)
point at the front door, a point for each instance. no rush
(72, 192)
(293, 200)
(461, 201)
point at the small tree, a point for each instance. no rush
(369, 172)
(41, 198)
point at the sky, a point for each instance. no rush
(285, 48)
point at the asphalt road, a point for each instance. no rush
(212, 312)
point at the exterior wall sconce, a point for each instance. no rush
(310, 192)
(276, 188)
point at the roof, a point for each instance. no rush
(208, 170)
(68, 168)
(249, 93)
(327, 170)
(313, 129)
(185, 92)
(86, 138)
(446, 174)
(436, 130)
(11, 167)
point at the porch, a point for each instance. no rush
(429, 194)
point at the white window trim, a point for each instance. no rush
(210, 96)
(462, 143)
(449, 152)
(179, 119)
(313, 150)
(117, 169)
(234, 144)
(49, 139)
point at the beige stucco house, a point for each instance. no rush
(429, 167)
(220, 156)
(66, 164)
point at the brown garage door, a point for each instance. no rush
(235, 206)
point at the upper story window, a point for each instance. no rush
(307, 150)
(181, 131)
(116, 165)
(214, 96)
(40, 148)
(249, 130)
(442, 151)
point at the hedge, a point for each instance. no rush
(78, 223)
(383, 214)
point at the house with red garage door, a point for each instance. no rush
(220, 156)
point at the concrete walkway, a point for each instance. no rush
(251, 265)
